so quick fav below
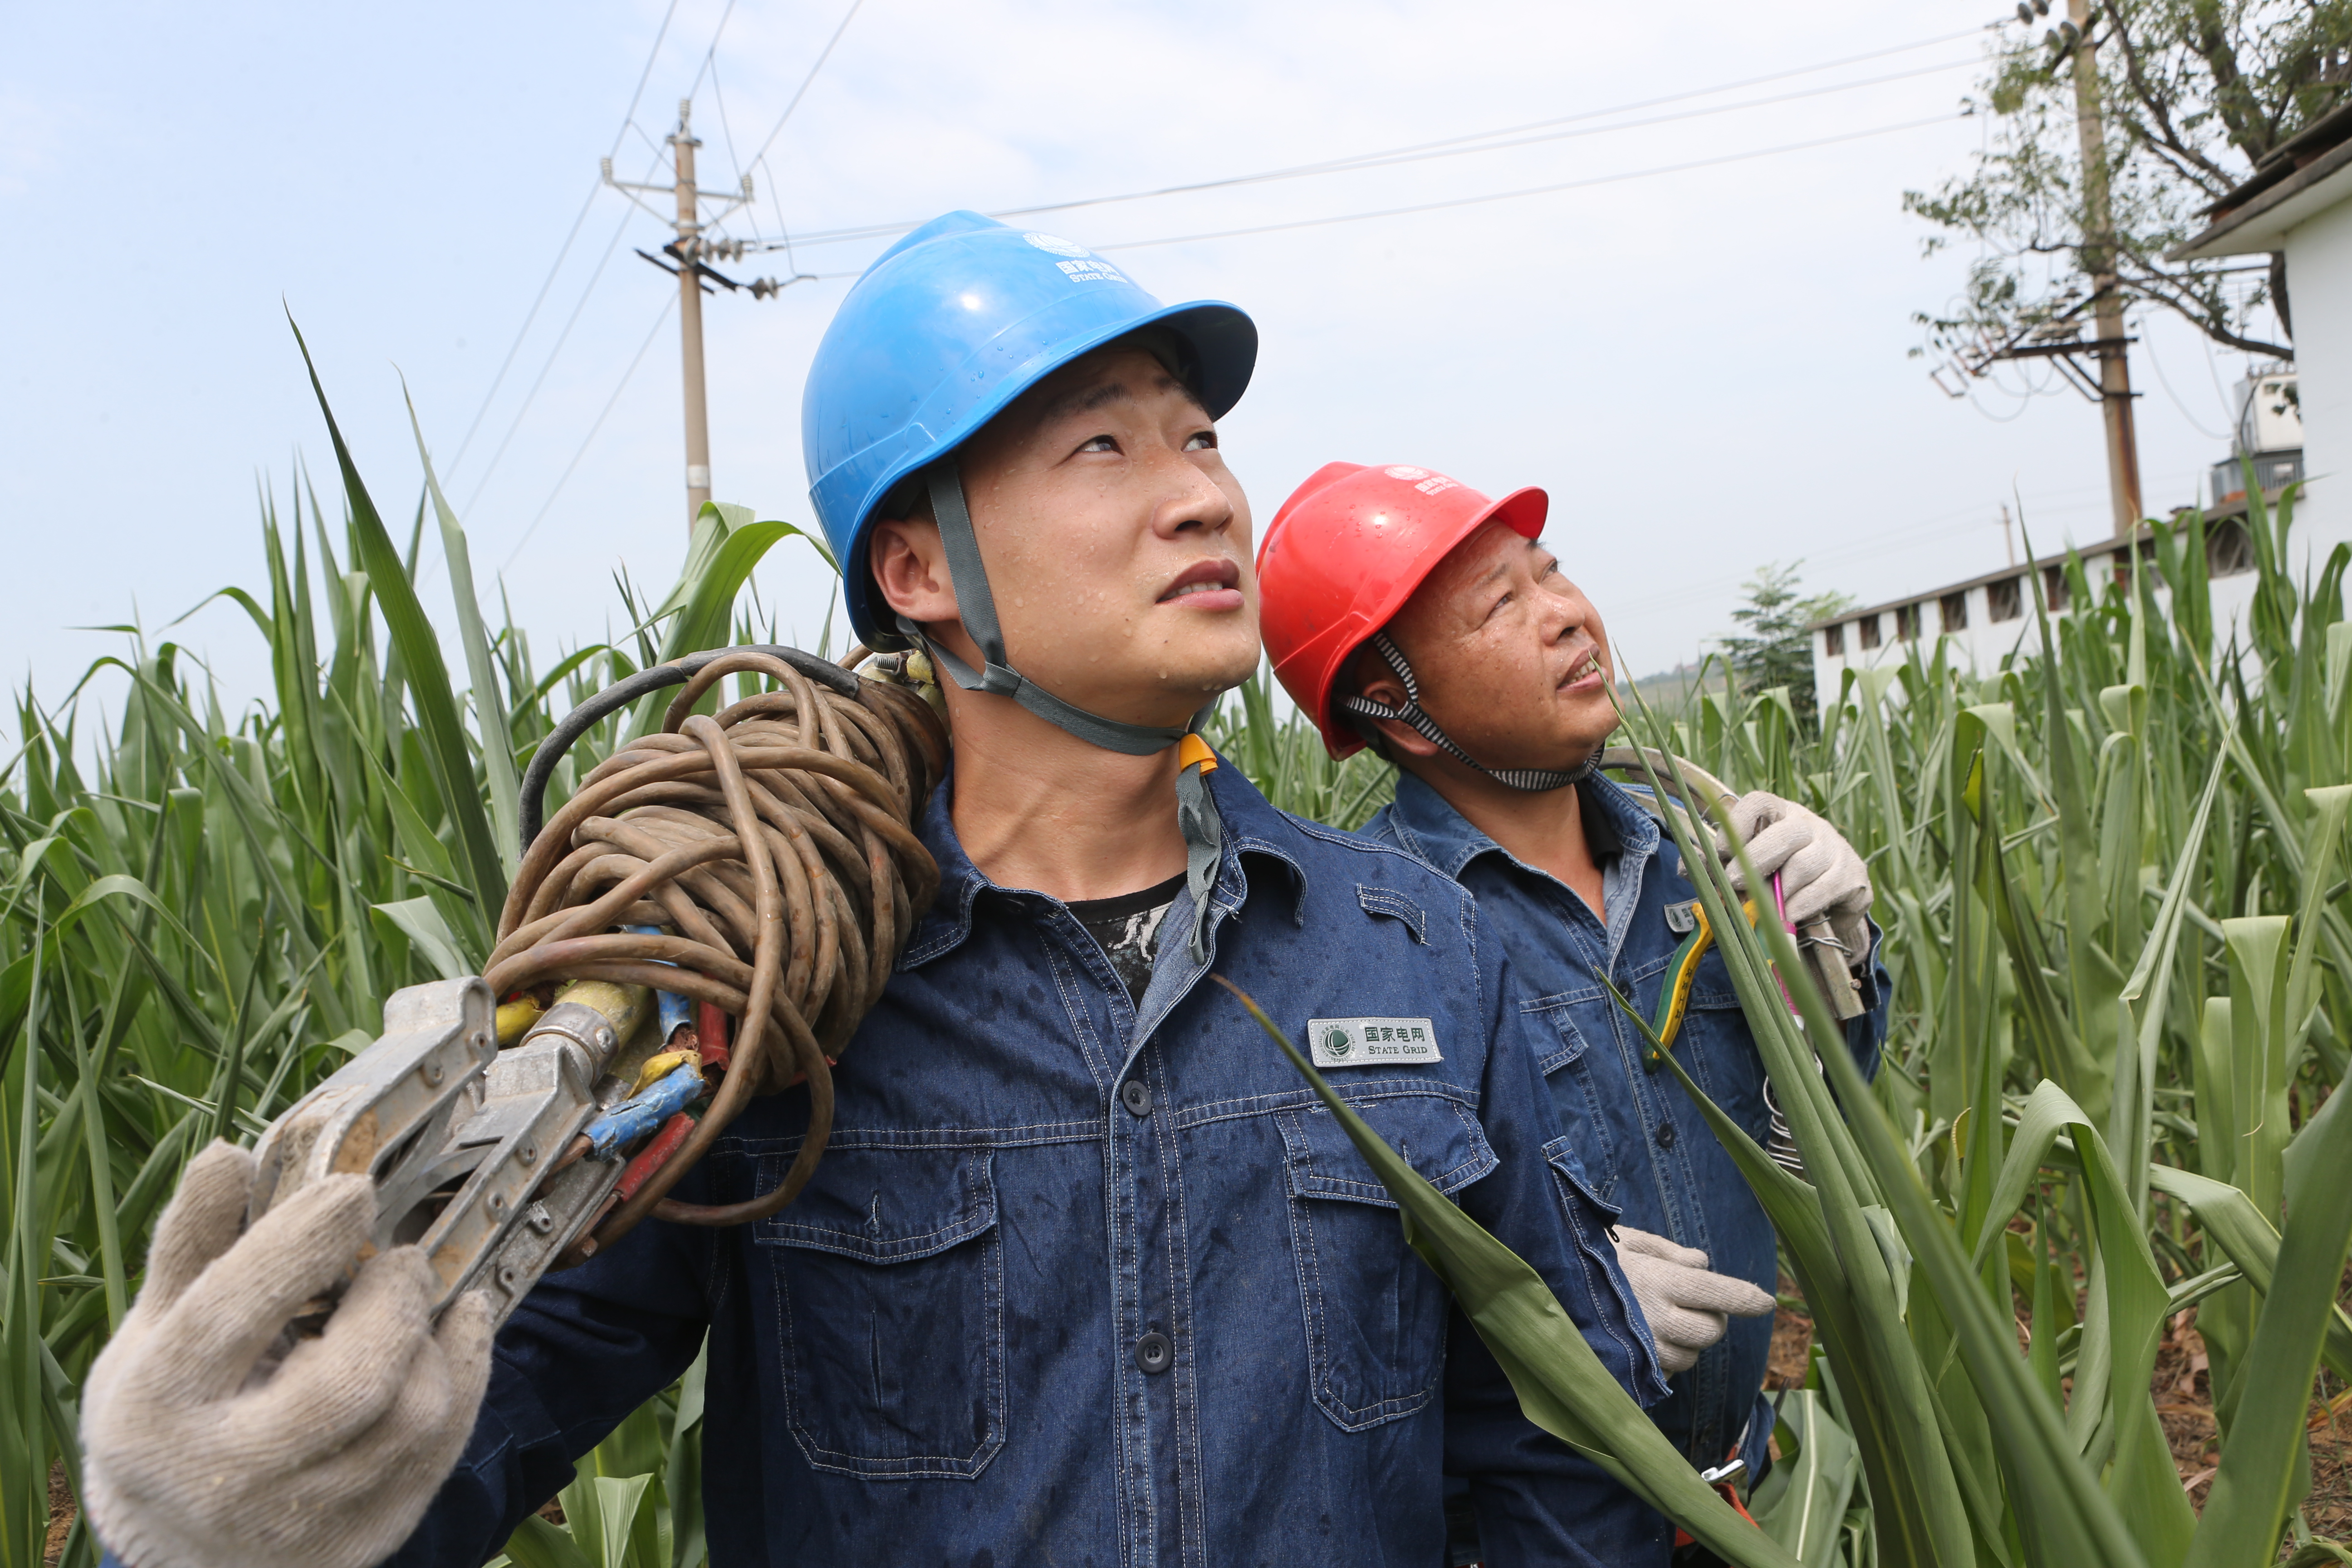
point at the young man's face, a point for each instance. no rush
(1510, 658)
(1116, 544)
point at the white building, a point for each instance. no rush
(1984, 619)
(2293, 422)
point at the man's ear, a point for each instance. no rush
(909, 566)
(1389, 692)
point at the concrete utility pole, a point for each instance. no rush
(689, 251)
(689, 316)
(2099, 261)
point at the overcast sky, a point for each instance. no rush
(1705, 367)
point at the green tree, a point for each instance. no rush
(2192, 95)
(1773, 647)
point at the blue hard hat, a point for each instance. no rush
(953, 323)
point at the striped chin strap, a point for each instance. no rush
(1412, 713)
(1196, 808)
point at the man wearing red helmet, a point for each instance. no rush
(1403, 609)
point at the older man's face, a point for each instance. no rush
(1510, 656)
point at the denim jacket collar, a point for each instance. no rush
(1252, 826)
(1429, 826)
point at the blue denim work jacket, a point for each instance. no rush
(1024, 1314)
(1651, 1157)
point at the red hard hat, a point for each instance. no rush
(1345, 553)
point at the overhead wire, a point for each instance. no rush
(824, 55)
(1451, 146)
(710, 55)
(563, 250)
(547, 365)
(727, 132)
(669, 303)
(628, 124)
(1587, 183)
(2165, 381)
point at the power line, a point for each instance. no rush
(1752, 153)
(629, 115)
(2196, 424)
(529, 316)
(821, 58)
(668, 303)
(549, 363)
(710, 53)
(565, 249)
(1536, 190)
(727, 130)
(1455, 145)
(611, 246)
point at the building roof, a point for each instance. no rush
(2300, 176)
(2059, 558)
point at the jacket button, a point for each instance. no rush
(1152, 1353)
(1665, 1135)
(1135, 1095)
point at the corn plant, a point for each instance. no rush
(202, 911)
(2111, 876)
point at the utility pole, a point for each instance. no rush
(2059, 338)
(2099, 260)
(694, 277)
(689, 317)
(2009, 533)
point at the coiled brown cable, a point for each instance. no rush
(776, 840)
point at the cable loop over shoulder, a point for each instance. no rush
(761, 861)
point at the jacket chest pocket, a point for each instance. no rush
(1375, 1316)
(890, 1302)
(1574, 1071)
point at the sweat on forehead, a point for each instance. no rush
(1116, 373)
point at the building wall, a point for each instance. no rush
(2319, 292)
(1984, 642)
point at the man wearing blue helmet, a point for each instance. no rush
(1085, 1275)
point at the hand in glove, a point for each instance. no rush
(203, 1450)
(1688, 1308)
(1820, 876)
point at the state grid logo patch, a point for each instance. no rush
(1371, 1042)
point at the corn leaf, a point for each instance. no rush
(1561, 1385)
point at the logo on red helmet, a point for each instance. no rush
(1421, 480)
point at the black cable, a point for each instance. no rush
(1453, 145)
(1492, 197)
(1534, 190)
(643, 77)
(549, 363)
(613, 699)
(529, 316)
(821, 58)
(565, 477)
(563, 251)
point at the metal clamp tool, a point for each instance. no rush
(463, 1141)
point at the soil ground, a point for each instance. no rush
(2184, 1401)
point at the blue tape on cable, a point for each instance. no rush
(625, 1123)
(676, 1012)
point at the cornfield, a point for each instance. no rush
(2111, 876)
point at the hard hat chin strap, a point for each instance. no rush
(998, 676)
(1412, 713)
(1196, 809)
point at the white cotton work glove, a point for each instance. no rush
(1688, 1308)
(1820, 876)
(202, 1449)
